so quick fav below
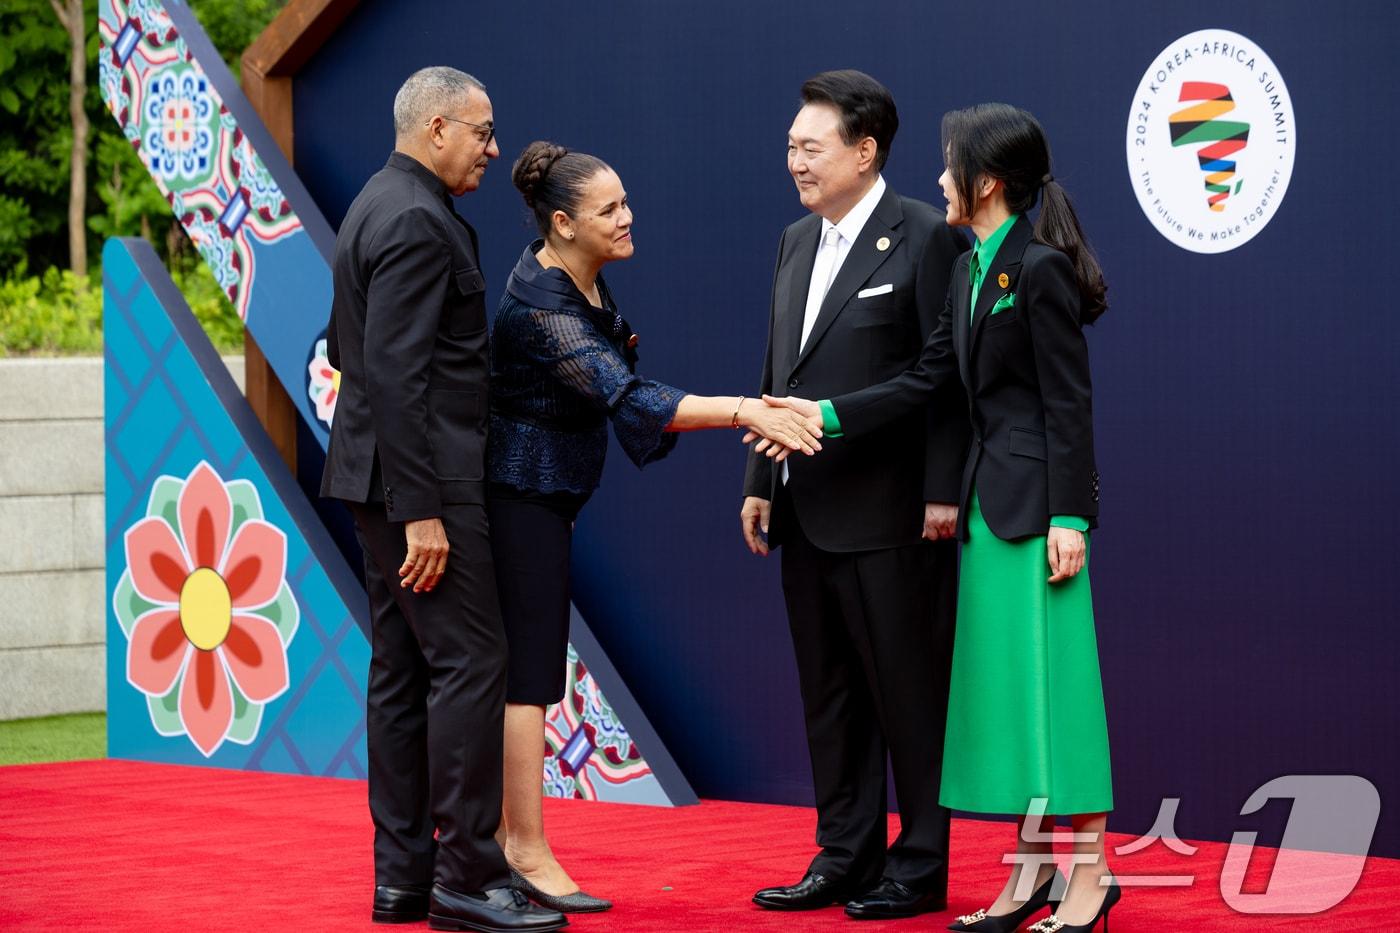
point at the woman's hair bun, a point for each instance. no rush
(532, 167)
(549, 182)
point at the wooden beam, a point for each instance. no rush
(270, 401)
(272, 99)
(295, 35)
(269, 65)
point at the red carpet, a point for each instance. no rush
(116, 845)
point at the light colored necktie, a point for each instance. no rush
(823, 272)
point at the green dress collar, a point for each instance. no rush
(983, 252)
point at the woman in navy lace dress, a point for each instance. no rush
(563, 364)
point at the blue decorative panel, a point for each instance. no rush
(269, 248)
(235, 630)
(226, 181)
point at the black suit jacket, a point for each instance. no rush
(870, 495)
(408, 334)
(1026, 371)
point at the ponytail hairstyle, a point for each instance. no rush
(1006, 143)
(551, 178)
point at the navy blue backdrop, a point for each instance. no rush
(1245, 573)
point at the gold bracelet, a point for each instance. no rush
(734, 422)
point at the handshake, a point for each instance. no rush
(781, 426)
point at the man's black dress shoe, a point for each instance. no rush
(890, 899)
(499, 910)
(812, 892)
(400, 903)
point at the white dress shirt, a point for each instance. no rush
(832, 250)
(831, 255)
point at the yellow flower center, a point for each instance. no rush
(206, 609)
(335, 379)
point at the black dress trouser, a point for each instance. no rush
(435, 708)
(873, 635)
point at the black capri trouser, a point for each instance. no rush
(531, 533)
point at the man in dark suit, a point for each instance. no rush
(869, 567)
(408, 334)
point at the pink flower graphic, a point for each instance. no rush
(211, 590)
(323, 382)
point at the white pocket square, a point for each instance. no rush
(877, 290)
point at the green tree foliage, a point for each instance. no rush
(35, 139)
(130, 202)
(232, 25)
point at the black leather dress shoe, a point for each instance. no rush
(400, 903)
(890, 899)
(811, 893)
(499, 910)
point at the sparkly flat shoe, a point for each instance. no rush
(1053, 924)
(576, 903)
(983, 922)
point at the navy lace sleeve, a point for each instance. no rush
(578, 356)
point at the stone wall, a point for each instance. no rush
(52, 585)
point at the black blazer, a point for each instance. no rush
(408, 334)
(1026, 371)
(864, 496)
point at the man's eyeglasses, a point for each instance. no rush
(484, 140)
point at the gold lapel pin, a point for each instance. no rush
(882, 244)
(1003, 280)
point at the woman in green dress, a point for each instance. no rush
(1026, 731)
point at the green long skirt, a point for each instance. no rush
(1025, 706)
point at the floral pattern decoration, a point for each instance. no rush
(585, 742)
(323, 384)
(206, 609)
(180, 129)
(218, 187)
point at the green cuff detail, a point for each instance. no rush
(1069, 521)
(831, 425)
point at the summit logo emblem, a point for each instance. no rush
(1210, 141)
(1203, 123)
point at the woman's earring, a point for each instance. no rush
(571, 236)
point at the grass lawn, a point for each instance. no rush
(53, 738)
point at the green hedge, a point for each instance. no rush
(60, 313)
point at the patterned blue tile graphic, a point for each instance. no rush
(165, 417)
